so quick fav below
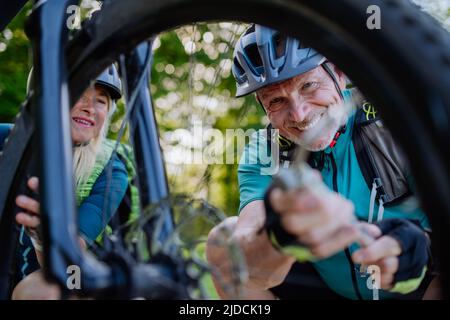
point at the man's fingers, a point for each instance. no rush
(386, 280)
(370, 229)
(297, 223)
(33, 184)
(325, 226)
(277, 200)
(315, 236)
(28, 220)
(83, 243)
(388, 265)
(294, 201)
(336, 242)
(383, 247)
(28, 203)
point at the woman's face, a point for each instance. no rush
(88, 115)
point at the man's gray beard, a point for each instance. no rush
(319, 148)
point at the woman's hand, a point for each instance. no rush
(30, 217)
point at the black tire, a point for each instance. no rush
(403, 68)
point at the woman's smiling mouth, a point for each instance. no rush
(83, 122)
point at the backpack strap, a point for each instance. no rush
(382, 162)
(286, 148)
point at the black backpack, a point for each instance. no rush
(380, 158)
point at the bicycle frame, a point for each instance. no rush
(152, 177)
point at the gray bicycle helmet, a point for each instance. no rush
(111, 81)
(263, 56)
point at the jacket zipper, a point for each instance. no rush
(347, 251)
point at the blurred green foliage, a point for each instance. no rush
(192, 84)
(14, 66)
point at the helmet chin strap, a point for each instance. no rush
(338, 89)
(333, 77)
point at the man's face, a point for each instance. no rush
(88, 115)
(298, 104)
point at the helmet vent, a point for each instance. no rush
(279, 43)
(238, 66)
(303, 45)
(250, 29)
(253, 55)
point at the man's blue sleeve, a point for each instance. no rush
(92, 218)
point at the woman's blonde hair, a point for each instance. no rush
(84, 156)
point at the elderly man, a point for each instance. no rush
(291, 235)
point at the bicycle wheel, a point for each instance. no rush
(409, 45)
(340, 33)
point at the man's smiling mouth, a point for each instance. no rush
(311, 124)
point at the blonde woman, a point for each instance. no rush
(92, 155)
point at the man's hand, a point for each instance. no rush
(266, 266)
(383, 252)
(323, 222)
(402, 253)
